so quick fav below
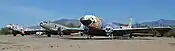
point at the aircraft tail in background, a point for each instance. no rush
(81, 26)
(129, 25)
(130, 22)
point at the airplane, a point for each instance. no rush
(18, 29)
(58, 29)
(95, 26)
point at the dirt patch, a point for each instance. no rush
(172, 44)
(7, 43)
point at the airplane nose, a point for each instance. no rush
(40, 23)
(85, 22)
(9, 26)
(44, 22)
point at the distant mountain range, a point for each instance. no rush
(34, 27)
(160, 22)
(76, 23)
(68, 22)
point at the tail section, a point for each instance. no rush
(130, 22)
(81, 26)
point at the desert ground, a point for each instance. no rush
(42, 43)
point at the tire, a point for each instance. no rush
(61, 34)
(130, 36)
(48, 35)
(81, 34)
(14, 34)
(22, 34)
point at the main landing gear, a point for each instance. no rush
(60, 34)
(17, 32)
(130, 36)
(110, 35)
(89, 36)
(48, 35)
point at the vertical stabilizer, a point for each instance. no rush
(81, 26)
(130, 22)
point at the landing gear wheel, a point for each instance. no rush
(112, 36)
(14, 34)
(81, 34)
(161, 35)
(130, 36)
(61, 34)
(89, 36)
(22, 34)
(48, 35)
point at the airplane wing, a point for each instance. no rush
(73, 30)
(161, 30)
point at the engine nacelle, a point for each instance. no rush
(108, 29)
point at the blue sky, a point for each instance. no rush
(32, 12)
